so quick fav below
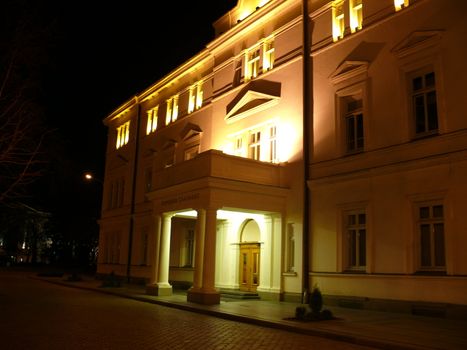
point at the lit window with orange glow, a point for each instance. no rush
(172, 110)
(268, 55)
(195, 100)
(151, 125)
(123, 135)
(238, 151)
(273, 144)
(356, 15)
(254, 146)
(400, 4)
(252, 63)
(338, 20)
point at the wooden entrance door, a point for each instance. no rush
(249, 266)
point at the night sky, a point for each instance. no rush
(94, 56)
(105, 54)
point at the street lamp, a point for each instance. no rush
(88, 176)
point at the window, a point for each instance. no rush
(189, 248)
(431, 230)
(252, 63)
(148, 180)
(290, 248)
(238, 147)
(259, 59)
(123, 134)
(191, 152)
(172, 110)
(400, 4)
(151, 125)
(259, 143)
(338, 22)
(268, 55)
(273, 144)
(117, 190)
(195, 100)
(424, 105)
(354, 125)
(356, 15)
(115, 248)
(255, 145)
(355, 231)
(144, 248)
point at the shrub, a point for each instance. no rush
(300, 312)
(316, 300)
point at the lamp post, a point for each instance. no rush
(89, 177)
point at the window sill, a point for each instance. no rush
(289, 274)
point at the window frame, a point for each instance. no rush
(152, 120)
(431, 220)
(401, 4)
(411, 94)
(122, 134)
(342, 96)
(338, 20)
(348, 265)
(254, 144)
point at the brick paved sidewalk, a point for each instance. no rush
(383, 330)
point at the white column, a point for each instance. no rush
(163, 278)
(209, 265)
(203, 290)
(199, 249)
(156, 245)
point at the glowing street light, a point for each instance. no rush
(88, 176)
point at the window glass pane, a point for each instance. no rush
(361, 219)
(362, 247)
(430, 79)
(350, 133)
(424, 212)
(359, 131)
(419, 109)
(425, 245)
(417, 83)
(437, 211)
(432, 112)
(352, 220)
(439, 245)
(352, 248)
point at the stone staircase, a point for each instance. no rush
(238, 295)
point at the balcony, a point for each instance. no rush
(216, 164)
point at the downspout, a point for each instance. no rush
(307, 133)
(133, 190)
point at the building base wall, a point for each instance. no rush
(442, 310)
(204, 298)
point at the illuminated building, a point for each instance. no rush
(208, 187)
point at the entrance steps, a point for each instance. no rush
(238, 294)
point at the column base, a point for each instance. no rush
(159, 289)
(203, 297)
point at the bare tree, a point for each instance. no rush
(21, 130)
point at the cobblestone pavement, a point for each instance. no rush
(39, 315)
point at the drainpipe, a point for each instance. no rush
(133, 190)
(307, 142)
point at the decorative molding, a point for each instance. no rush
(416, 42)
(347, 70)
(256, 96)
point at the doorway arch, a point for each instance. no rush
(249, 255)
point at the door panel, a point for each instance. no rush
(249, 267)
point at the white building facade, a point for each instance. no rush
(238, 171)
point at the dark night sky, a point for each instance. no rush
(99, 54)
(106, 52)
